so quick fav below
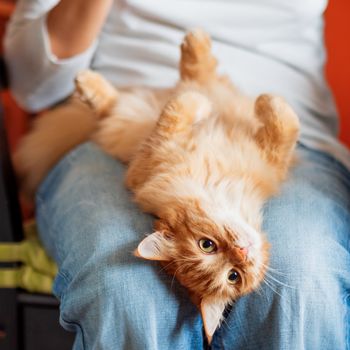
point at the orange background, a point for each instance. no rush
(337, 69)
(338, 66)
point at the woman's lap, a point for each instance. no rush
(90, 226)
(111, 298)
(304, 303)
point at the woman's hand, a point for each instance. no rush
(74, 24)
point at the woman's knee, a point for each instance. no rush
(132, 301)
(308, 245)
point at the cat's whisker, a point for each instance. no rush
(173, 279)
(277, 272)
(224, 323)
(286, 312)
(270, 286)
(269, 268)
(258, 290)
(273, 290)
(279, 282)
(187, 258)
(167, 265)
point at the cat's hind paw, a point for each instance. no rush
(197, 61)
(279, 130)
(93, 89)
(276, 115)
(195, 45)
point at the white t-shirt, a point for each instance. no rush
(273, 46)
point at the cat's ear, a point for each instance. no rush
(211, 311)
(153, 247)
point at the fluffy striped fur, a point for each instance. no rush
(202, 157)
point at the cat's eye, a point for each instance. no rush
(233, 276)
(207, 245)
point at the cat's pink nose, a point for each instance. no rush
(244, 250)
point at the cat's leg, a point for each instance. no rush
(279, 132)
(197, 61)
(198, 70)
(176, 119)
(121, 133)
(96, 91)
(128, 117)
(181, 112)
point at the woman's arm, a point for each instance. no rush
(47, 43)
(73, 25)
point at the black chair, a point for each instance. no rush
(27, 321)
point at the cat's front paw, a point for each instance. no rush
(184, 110)
(195, 105)
(93, 89)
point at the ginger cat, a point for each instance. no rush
(202, 158)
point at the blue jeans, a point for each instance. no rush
(113, 300)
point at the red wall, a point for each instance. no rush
(338, 67)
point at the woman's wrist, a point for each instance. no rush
(73, 25)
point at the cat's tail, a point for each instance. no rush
(53, 134)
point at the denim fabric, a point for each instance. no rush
(113, 300)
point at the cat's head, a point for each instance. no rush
(217, 261)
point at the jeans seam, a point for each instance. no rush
(49, 227)
(67, 279)
(335, 161)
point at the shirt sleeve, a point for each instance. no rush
(38, 79)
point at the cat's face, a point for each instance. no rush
(216, 262)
